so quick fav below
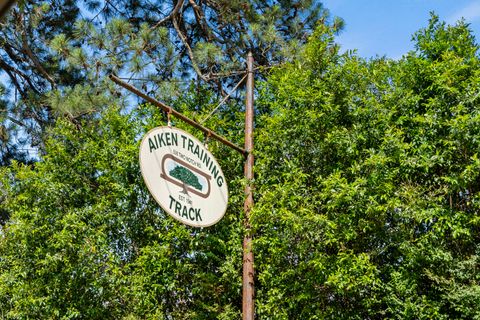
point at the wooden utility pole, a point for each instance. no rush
(248, 308)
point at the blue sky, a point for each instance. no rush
(385, 27)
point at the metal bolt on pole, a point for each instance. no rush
(248, 308)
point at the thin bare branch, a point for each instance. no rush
(200, 18)
(174, 12)
(10, 72)
(223, 100)
(183, 38)
(18, 122)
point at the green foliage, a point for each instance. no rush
(367, 196)
(77, 101)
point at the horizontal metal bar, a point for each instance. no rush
(177, 114)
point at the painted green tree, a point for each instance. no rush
(186, 176)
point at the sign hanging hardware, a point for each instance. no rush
(169, 122)
(177, 114)
(206, 139)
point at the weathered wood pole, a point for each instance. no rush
(248, 306)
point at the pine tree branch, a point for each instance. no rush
(26, 50)
(176, 17)
(9, 48)
(174, 12)
(200, 18)
(113, 6)
(18, 122)
(99, 12)
(159, 23)
(35, 61)
(10, 72)
(19, 60)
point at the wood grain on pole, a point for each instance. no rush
(248, 292)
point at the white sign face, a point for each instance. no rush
(183, 176)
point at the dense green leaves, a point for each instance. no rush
(368, 203)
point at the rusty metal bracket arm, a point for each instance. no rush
(177, 114)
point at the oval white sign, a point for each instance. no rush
(183, 176)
